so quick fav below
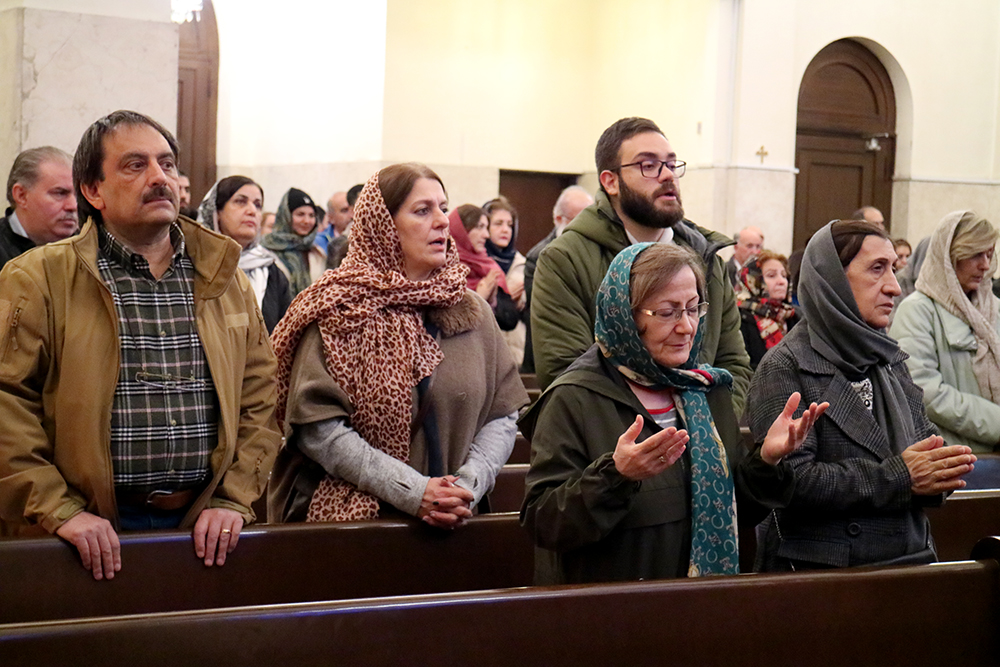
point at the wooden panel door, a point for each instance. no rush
(845, 142)
(533, 194)
(197, 101)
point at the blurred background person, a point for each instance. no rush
(292, 239)
(370, 359)
(903, 252)
(950, 328)
(571, 201)
(749, 242)
(267, 223)
(501, 246)
(42, 203)
(765, 304)
(469, 228)
(233, 207)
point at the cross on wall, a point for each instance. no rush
(761, 153)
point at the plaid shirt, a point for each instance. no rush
(165, 416)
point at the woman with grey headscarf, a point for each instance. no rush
(233, 207)
(951, 330)
(873, 460)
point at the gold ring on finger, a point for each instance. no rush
(662, 460)
(226, 531)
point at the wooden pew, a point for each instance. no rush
(508, 490)
(522, 450)
(965, 517)
(42, 579)
(915, 616)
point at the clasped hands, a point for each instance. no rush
(445, 504)
(641, 460)
(215, 536)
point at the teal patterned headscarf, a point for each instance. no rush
(714, 540)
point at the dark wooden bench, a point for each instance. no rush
(42, 579)
(914, 616)
(508, 490)
(966, 517)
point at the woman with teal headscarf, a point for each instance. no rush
(637, 462)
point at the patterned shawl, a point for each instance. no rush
(714, 540)
(938, 280)
(479, 263)
(291, 249)
(769, 314)
(370, 316)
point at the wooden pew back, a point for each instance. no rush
(42, 579)
(915, 616)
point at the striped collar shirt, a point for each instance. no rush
(164, 419)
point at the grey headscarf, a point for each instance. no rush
(839, 334)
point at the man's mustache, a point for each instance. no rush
(159, 192)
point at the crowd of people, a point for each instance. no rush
(163, 366)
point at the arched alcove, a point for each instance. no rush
(845, 137)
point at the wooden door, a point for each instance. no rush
(197, 100)
(533, 194)
(845, 142)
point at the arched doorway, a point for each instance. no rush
(198, 100)
(845, 139)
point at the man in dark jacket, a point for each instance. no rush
(571, 201)
(42, 204)
(639, 201)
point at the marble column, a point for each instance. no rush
(65, 64)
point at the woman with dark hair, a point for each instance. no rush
(469, 227)
(765, 303)
(950, 327)
(233, 207)
(873, 461)
(501, 247)
(295, 226)
(380, 409)
(636, 458)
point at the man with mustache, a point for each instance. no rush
(42, 205)
(639, 200)
(136, 377)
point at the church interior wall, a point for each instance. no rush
(320, 95)
(69, 68)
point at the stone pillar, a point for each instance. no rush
(64, 64)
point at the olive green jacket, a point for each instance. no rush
(570, 271)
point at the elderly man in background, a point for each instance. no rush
(42, 204)
(749, 243)
(871, 214)
(137, 388)
(571, 201)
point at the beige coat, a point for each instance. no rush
(59, 366)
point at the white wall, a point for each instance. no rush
(63, 70)
(300, 92)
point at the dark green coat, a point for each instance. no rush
(570, 271)
(593, 524)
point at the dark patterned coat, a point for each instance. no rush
(852, 503)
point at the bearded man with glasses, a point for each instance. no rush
(639, 201)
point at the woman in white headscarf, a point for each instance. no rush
(233, 207)
(951, 331)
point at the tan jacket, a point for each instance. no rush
(59, 365)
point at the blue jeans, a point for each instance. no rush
(142, 518)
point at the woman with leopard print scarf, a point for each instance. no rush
(396, 389)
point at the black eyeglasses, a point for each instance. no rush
(653, 168)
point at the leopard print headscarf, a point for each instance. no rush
(370, 316)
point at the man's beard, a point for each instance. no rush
(644, 211)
